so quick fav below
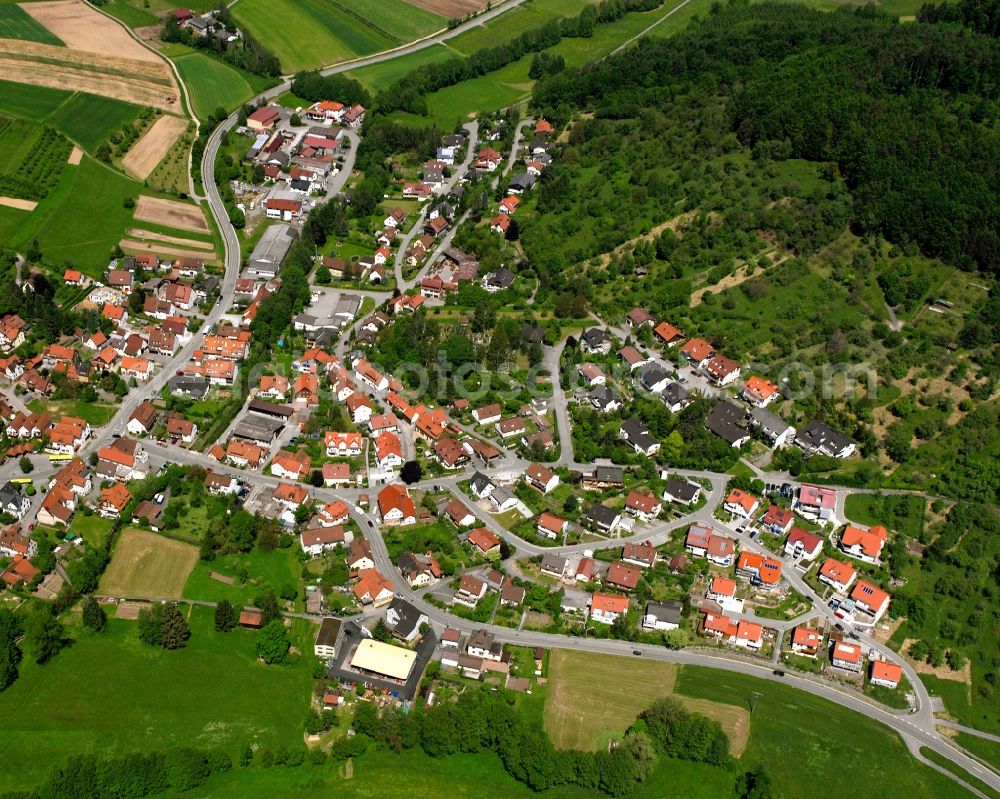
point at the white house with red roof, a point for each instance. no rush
(722, 591)
(837, 574)
(846, 656)
(741, 503)
(803, 545)
(885, 673)
(870, 599)
(395, 506)
(816, 502)
(749, 635)
(605, 608)
(806, 641)
(759, 391)
(722, 370)
(864, 544)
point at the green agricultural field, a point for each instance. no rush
(380, 76)
(82, 218)
(30, 102)
(16, 23)
(90, 120)
(264, 570)
(10, 220)
(112, 694)
(826, 750)
(212, 84)
(396, 19)
(18, 139)
(87, 119)
(305, 34)
(130, 14)
(529, 16)
(510, 84)
(487, 93)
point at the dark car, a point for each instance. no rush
(778, 673)
(636, 651)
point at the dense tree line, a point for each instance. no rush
(907, 113)
(130, 776)
(314, 86)
(408, 93)
(246, 52)
(982, 16)
(480, 721)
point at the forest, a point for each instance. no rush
(906, 114)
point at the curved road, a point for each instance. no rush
(917, 729)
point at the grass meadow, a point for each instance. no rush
(825, 750)
(112, 694)
(595, 698)
(146, 564)
(381, 76)
(263, 570)
(82, 218)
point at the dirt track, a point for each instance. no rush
(451, 9)
(133, 246)
(145, 154)
(136, 81)
(83, 28)
(21, 205)
(171, 213)
(147, 235)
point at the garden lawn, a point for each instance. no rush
(93, 529)
(305, 34)
(212, 84)
(16, 23)
(97, 414)
(83, 217)
(826, 750)
(264, 570)
(112, 694)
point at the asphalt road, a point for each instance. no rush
(917, 728)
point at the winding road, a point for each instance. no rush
(916, 728)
